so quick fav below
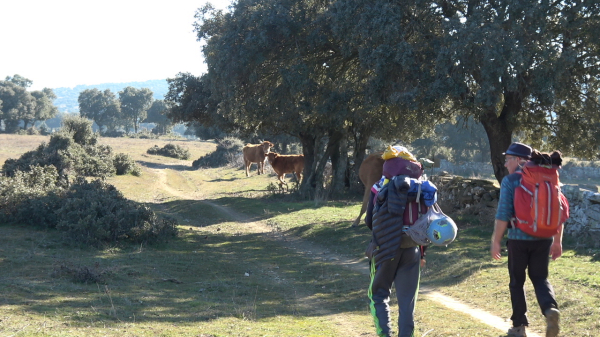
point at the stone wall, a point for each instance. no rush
(472, 169)
(459, 193)
(573, 172)
(584, 212)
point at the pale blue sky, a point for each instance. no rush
(64, 43)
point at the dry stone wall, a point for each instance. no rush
(584, 217)
(474, 169)
(458, 193)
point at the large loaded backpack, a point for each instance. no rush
(397, 201)
(540, 206)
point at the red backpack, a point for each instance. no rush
(540, 206)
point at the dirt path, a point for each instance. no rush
(310, 250)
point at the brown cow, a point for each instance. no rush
(283, 164)
(256, 153)
(369, 173)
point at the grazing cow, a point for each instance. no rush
(256, 153)
(283, 164)
(369, 173)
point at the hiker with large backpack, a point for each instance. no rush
(533, 209)
(396, 203)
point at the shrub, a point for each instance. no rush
(114, 133)
(30, 197)
(44, 129)
(124, 164)
(145, 134)
(96, 212)
(170, 150)
(68, 156)
(32, 131)
(80, 130)
(228, 152)
(90, 213)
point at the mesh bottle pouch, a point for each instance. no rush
(418, 231)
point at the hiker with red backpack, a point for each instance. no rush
(534, 210)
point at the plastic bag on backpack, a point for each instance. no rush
(418, 231)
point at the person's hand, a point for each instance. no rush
(556, 250)
(495, 250)
(423, 263)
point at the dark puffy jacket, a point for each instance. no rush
(387, 219)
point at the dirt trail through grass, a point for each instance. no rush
(310, 250)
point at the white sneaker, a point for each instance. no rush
(552, 318)
(517, 331)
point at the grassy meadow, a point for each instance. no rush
(252, 262)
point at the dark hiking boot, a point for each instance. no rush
(517, 331)
(552, 317)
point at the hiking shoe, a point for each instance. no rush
(552, 316)
(517, 331)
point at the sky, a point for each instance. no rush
(64, 43)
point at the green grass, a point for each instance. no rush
(226, 276)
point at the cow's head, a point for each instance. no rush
(271, 156)
(267, 145)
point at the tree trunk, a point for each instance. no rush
(361, 139)
(308, 150)
(11, 125)
(339, 162)
(499, 130)
(333, 144)
(500, 138)
(315, 160)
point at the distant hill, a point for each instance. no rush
(67, 97)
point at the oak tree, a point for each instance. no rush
(134, 105)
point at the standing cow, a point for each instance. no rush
(369, 173)
(256, 153)
(283, 164)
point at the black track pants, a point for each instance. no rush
(531, 256)
(404, 272)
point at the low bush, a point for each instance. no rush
(30, 197)
(32, 131)
(124, 164)
(228, 152)
(89, 213)
(96, 212)
(73, 151)
(47, 188)
(170, 150)
(68, 156)
(145, 134)
(114, 133)
(80, 129)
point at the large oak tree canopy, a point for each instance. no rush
(280, 67)
(17, 104)
(102, 107)
(524, 67)
(330, 72)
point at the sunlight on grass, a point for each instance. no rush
(232, 271)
